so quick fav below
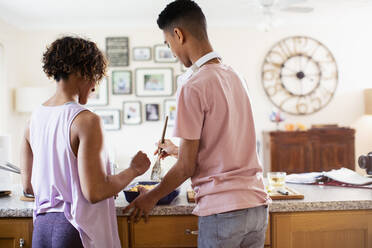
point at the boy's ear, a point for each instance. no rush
(179, 35)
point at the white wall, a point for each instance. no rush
(11, 68)
(2, 88)
(242, 47)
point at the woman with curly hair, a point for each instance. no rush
(63, 160)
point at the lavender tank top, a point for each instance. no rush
(55, 178)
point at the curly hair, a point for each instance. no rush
(185, 14)
(69, 55)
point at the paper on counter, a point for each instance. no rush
(342, 175)
(303, 178)
(345, 175)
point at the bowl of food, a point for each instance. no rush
(132, 191)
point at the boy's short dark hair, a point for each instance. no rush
(184, 14)
(69, 55)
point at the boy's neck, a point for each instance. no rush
(199, 49)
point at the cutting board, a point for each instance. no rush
(292, 195)
(190, 196)
(29, 199)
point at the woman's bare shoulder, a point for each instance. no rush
(86, 120)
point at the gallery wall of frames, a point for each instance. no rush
(159, 82)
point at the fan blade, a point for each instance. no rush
(298, 9)
(282, 4)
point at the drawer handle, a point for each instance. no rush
(21, 242)
(189, 232)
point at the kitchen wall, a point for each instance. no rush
(11, 64)
(241, 47)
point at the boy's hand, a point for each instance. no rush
(168, 149)
(141, 206)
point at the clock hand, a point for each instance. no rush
(289, 75)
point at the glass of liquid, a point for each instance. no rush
(276, 180)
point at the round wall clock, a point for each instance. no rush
(299, 75)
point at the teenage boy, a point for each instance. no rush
(217, 139)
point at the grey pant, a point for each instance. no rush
(244, 228)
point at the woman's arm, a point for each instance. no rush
(26, 162)
(96, 185)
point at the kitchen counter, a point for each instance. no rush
(317, 198)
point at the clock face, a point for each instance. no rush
(299, 75)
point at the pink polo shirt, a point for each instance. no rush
(214, 107)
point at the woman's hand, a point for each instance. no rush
(140, 163)
(168, 149)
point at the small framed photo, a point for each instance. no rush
(154, 82)
(100, 95)
(163, 54)
(117, 51)
(121, 82)
(170, 111)
(110, 118)
(141, 53)
(132, 113)
(152, 112)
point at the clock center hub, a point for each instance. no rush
(300, 75)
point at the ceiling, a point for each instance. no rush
(51, 14)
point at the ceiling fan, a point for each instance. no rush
(270, 6)
(285, 5)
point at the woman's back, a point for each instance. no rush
(63, 161)
(55, 178)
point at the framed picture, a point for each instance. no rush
(100, 96)
(163, 54)
(117, 51)
(154, 82)
(121, 82)
(152, 112)
(110, 118)
(132, 114)
(170, 110)
(141, 53)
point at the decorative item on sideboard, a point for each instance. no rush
(365, 162)
(295, 127)
(276, 116)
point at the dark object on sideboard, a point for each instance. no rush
(307, 151)
(365, 162)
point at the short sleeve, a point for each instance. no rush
(190, 114)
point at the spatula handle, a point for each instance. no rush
(164, 129)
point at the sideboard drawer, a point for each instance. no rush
(165, 231)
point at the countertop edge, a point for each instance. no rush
(275, 207)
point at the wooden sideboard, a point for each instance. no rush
(308, 151)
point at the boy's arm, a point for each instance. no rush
(183, 169)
